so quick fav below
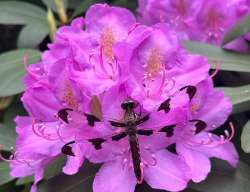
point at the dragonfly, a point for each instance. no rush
(130, 124)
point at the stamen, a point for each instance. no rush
(107, 41)
(14, 157)
(154, 63)
(125, 161)
(101, 76)
(40, 132)
(181, 7)
(217, 69)
(60, 135)
(159, 92)
(154, 158)
(213, 19)
(69, 96)
(215, 142)
(102, 64)
(133, 27)
(25, 64)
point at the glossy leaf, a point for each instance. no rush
(25, 180)
(229, 61)
(55, 167)
(83, 7)
(245, 138)
(73, 4)
(82, 181)
(15, 109)
(18, 12)
(240, 97)
(32, 34)
(7, 132)
(225, 179)
(4, 173)
(241, 28)
(12, 70)
(7, 137)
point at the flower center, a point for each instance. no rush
(108, 40)
(154, 63)
(181, 7)
(213, 19)
(69, 96)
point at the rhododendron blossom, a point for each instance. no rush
(200, 20)
(116, 92)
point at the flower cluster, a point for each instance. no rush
(129, 96)
(200, 20)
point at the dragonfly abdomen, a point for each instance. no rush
(136, 157)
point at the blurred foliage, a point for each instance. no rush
(26, 26)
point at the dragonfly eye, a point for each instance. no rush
(128, 104)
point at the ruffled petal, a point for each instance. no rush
(112, 177)
(224, 151)
(74, 163)
(30, 143)
(102, 17)
(170, 172)
(198, 163)
(41, 103)
(210, 105)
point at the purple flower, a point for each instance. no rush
(105, 66)
(119, 93)
(180, 15)
(215, 18)
(160, 66)
(119, 171)
(200, 20)
(196, 143)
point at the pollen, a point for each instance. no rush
(194, 107)
(154, 63)
(69, 96)
(181, 7)
(196, 104)
(108, 41)
(213, 19)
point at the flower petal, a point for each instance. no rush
(224, 151)
(170, 172)
(198, 163)
(41, 103)
(112, 177)
(74, 163)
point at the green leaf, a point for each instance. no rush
(83, 7)
(10, 114)
(73, 4)
(241, 28)
(245, 138)
(25, 180)
(55, 167)
(229, 61)
(4, 173)
(226, 180)
(12, 70)
(51, 4)
(7, 137)
(10, 187)
(32, 34)
(75, 183)
(240, 97)
(17, 12)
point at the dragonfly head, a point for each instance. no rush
(128, 104)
